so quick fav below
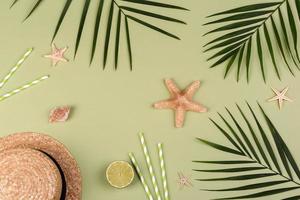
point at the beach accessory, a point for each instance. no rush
(119, 174)
(57, 55)
(37, 166)
(181, 101)
(140, 174)
(59, 114)
(163, 170)
(29, 169)
(149, 165)
(16, 67)
(24, 87)
(12, 72)
(151, 171)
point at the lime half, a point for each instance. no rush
(119, 174)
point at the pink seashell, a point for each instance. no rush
(59, 114)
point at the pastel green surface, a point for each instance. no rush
(111, 107)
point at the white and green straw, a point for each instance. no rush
(28, 85)
(149, 165)
(163, 170)
(14, 69)
(138, 170)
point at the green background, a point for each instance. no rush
(110, 107)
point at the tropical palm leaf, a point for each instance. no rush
(120, 13)
(262, 26)
(262, 157)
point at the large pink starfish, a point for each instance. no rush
(57, 55)
(181, 101)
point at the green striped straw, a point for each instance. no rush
(24, 87)
(163, 170)
(149, 164)
(138, 170)
(14, 69)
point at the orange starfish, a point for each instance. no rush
(181, 101)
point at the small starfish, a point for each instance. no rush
(280, 97)
(57, 55)
(184, 181)
(181, 101)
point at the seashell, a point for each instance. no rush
(59, 114)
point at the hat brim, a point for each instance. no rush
(54, 149)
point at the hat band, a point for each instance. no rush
(63, 179)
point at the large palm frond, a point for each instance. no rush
(120, 13)
(267, 28)
(263, 165)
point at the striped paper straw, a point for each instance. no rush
(138, 170)
(24, 87)
(149, 164)
(163, 170)
(14, 69)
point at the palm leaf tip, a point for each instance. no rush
(263, 194)
(249, 24)
(61, 18)
(250, 186)
(157, 4)
(247, 8)
(151, 14)
(107, 36)
(267, 167)
(240, 177)
(96, 29)
(37, 4)
(220, 147)
(153, 27)
(295, 197)
(225, 162)
(13, 3)
(128, 42)
(117, 39)
(229, 170)
(81, 24)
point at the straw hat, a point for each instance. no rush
(37, 167)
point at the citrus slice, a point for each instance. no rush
(119, 174)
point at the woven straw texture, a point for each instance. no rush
(28, 174)
(51, 149)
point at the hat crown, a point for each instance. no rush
(28, 174)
